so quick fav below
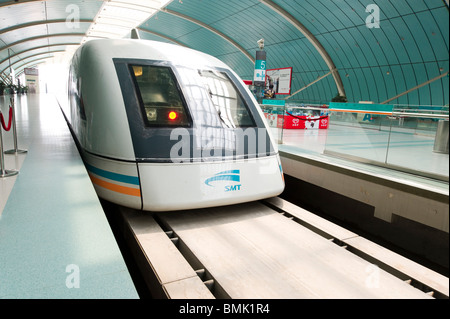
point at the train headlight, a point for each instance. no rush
(173, 115)
(152, 114)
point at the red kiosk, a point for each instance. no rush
(313, 118)
(305, 122)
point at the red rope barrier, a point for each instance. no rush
(6, 127)
(307, 119)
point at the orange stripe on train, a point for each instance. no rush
(116, 188)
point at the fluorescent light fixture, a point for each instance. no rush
(116, 19)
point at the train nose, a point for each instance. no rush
(199, 185)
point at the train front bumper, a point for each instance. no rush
(167, 187)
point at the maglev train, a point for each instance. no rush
(161, 127)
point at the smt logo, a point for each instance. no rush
(233, 176)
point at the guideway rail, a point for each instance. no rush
(267, 249)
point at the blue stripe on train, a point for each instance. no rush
(113, 176)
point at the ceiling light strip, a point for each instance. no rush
(138, 11)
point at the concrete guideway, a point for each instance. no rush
(252, 251)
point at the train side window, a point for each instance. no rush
(229, 104)
(159, 96)
(76, 99)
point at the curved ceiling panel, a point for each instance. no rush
(29, 27)
(153, 36)
(286, 46)
(327, 43)
(409, 48)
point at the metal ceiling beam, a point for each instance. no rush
(30, 56)
(416, 88)
(217, 32)
(36, 48)
(43, 37)
(308, 85)
(31, 64)
(11, 3)
(312, 39)
(28, 65)
(4, 79)
(43, 22)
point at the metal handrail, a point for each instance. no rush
(307, 108)
(394, 113)
(419, 110)
(421, 115)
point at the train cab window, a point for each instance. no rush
(160, 98)
(227, 100)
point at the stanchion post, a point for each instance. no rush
(16, 149)
(3, 171)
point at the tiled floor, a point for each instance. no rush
(55, 241)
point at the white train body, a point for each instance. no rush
(162, 127)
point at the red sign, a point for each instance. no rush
(298, 122)
(305, 122)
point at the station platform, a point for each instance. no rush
(55, 241)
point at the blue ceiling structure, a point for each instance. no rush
(333, 47)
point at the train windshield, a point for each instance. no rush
(230, 106)
(212, 103)
(159, 95)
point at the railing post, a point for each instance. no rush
(16, 149)
(3, 171)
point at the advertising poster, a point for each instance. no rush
(280, 79)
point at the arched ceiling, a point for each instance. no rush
(404, 60)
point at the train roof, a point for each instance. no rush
(103, 49)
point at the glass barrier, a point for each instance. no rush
(358, 132)
(274, 111)
(296, 124)
(413, 139)
(407, 138)
(419, 140)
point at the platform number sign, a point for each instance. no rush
(259, 78)
(260, 71)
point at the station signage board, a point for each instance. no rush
(281, 80)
